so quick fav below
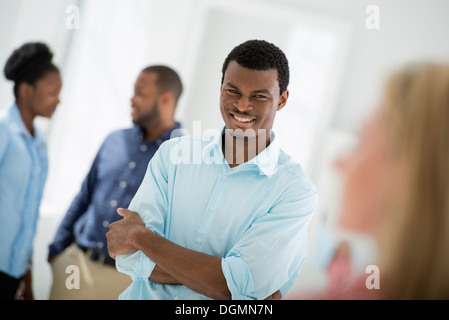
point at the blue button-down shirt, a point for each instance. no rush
(23, 170)
(255, 217)
(113, 179)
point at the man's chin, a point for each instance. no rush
(135, 121)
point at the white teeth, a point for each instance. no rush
(243, 119)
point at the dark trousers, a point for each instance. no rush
(8, 286)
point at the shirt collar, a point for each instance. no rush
(266, 161)
(16, 119)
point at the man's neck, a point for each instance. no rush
(152, 132)
(238, 150)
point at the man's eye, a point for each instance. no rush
(259, 96)
(232, 91)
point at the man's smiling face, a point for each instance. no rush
(250, 98)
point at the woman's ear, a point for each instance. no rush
(25, 89)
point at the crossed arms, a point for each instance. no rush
(264, 258)
(174, 264)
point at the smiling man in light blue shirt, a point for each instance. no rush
(223, 215)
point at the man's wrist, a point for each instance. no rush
(140, 237)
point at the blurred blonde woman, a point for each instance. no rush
(397, 184)
(396, 188)
(415, 240)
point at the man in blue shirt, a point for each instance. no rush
(115, 175)
(225, 214)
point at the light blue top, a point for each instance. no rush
(23, 170)
(255, 217)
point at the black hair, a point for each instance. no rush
(167, 79)
(260, 55)
(29, 63)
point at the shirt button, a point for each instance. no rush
(143, 148)
(212, 208)
(105, 223)
(176, 298)
(113, 203)
(100, 245)
(132, 165)
(225, 178)
(200, 241)
(122, 184)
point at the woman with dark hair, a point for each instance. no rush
(23, 162)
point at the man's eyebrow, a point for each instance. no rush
(266, 91)
(231, 85)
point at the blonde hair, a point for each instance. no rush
(414, 244)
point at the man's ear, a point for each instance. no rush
(166, 99)
(283, 99)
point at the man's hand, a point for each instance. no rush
(121, 233)
(275, 296)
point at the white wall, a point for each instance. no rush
(28, 20)
(129, 35)
(409, 30)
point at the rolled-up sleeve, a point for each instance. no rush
(269, 255)
(150, 201)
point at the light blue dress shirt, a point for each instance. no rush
(23, 170)
(255, 216)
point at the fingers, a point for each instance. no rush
(125, 212)
(122, 212)
(119, 232)
(110, 246)
(130, 217)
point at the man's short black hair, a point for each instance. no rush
(167, 79)
(260, 55)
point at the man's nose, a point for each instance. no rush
(243, 104)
